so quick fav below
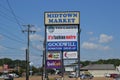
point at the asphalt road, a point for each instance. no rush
(65, 78)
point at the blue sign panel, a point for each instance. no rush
(62, 45)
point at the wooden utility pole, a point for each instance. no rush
(28, 30)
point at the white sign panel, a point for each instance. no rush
(69, 55)
(62, 29)
(69, 17)
(69, 69)
(53, 55)
(62, 37)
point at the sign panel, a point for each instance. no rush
(62, 17)
(62, 29)
(63, 45)
(69, 69)
(52, 55)
(5, 67)
(62, 37)
(70, 55)
(53, 64)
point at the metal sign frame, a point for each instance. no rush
(58, 19)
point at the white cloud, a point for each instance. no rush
(105, 38)
(36, 37)
(23, 48)
(1, 47)
(104, 47)
(1, 37)
(88, 45)
(35, 29)
(93, 46)
(90, 33)
(40, 47)
(93, 39)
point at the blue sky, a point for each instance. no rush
(99, 22)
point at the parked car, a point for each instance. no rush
(86, 76)
(114, 75)
(14, 75)
(6, 77)
(107, 75)
(72, 75)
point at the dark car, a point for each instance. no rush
(8, 77)
(86, 76)
(114, 75)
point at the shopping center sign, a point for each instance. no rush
(62, 17)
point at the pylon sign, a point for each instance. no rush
(61, 34)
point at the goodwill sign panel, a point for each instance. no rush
(62, 17)
(63, 45)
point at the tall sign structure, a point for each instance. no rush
(62, 38)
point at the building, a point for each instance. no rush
(8, 70)
(99, 70)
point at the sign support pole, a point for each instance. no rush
(79, 52)
(62, 68)
(45, 54)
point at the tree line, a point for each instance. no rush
(115, 62)
(22, 64)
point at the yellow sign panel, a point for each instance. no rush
(62, 18)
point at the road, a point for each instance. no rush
(65, 78)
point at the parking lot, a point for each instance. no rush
(65, 78)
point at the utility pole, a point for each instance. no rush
(28, 30)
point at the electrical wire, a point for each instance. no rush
(12, 38)
(17, 37)
(14, 15)
(7, 10)
(5, 15)
(17, 21)
(10, 48)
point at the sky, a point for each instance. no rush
(99, 23)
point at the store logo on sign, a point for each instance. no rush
(61, 37)
(51, 29)
(53, 63)
(52, 56)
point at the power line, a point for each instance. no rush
(10, 47)
(7, 10)
(4, 8)
(16, 37)
(5, 15)
(12, 38)
(14, 14)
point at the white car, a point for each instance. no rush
(107, 75)
(72, 75)
(14, 75)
